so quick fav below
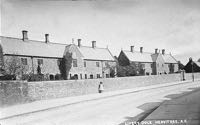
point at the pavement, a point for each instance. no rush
(42, 105)
(182, 110)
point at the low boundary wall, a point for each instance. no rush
(13, 92)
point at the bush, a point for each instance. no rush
(8, 77)
(58, 77)
(36, 77)
(25, 77)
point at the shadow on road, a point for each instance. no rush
(148, 108)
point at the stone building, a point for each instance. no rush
(192, 66)
(88, 62)
(149, 63)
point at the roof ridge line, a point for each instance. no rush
(138, 52)
(92, 47)
(30, 40)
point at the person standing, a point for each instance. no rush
(101, 87)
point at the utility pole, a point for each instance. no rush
(192, 63)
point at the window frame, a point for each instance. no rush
(24, 61)
(40, 61)
(85, 64)
(97, 64)
(75, 64)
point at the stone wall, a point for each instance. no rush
(55, 89)
(15, 92)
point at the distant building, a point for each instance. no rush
(192, 66)
(88, 62)
(149, 63)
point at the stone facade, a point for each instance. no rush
(88, 69)
(151, 63)
(44, 57)
(49, 65)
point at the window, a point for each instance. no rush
(97, 64)
(85, 76)
(75, 76)
(106, 64)
(74, 62)
(98, 75)
(91, 76)
(84, 63)
(40, 61)
(142, 66)
(151, 65)
(24, 61)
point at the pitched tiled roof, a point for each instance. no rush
(197, 63)
(138, 57)
(32, 48)
(41, 49)
(169, 58)
(148, 57)
(96, 53)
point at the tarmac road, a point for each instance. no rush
(109, 111)
(182, 109)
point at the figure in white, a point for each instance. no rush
(101, 88)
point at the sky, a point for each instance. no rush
(173, 25)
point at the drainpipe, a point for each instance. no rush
(102, 69)
(32, 65)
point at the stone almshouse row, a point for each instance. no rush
(88, 62)
(151, 63)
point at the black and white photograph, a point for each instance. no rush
(100, 62)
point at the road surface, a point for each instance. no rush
(109, 111)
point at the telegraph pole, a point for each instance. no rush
(192, 63)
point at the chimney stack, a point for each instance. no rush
(141, 49)
(46, 38)
(132, 48)
(156, 51)
(79, 42)
(163, 51)
(24, 35)
(93, 44)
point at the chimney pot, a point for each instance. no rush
(46, 38)
(156, 51)
(141, 49)
(132, 48)
(93, 44)
(79, 42)
(24, 35)
(163, 51)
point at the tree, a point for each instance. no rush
(109, 67)
(13, 66)
(180, 65)
(65, 65)
(123, 71)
